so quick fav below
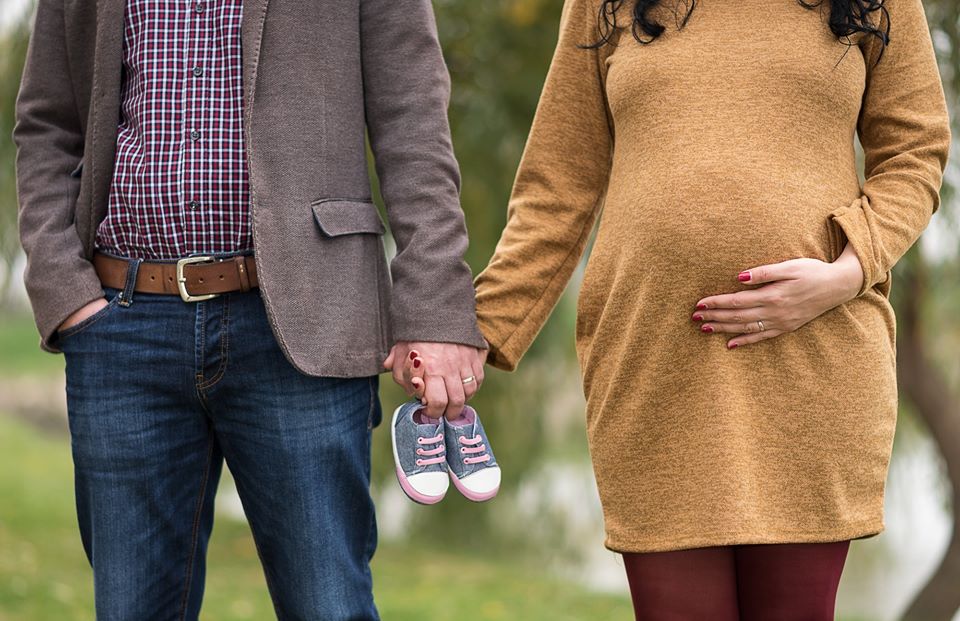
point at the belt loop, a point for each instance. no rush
(126, 296)
(241, 263)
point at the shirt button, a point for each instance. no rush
(198, 7)
(195, 135)
(198, 71)
(194, 205)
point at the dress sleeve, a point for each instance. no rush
(904, 128)
(556, 196)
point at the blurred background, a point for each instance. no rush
(536, 551)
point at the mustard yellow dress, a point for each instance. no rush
(723, 146)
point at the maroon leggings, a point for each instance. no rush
(786, 582)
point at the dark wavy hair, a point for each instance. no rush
(847, 18)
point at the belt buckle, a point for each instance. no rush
(182, 280)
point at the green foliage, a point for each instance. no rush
(13, 48)
(944, 18)
(20, 353)
(498, 53)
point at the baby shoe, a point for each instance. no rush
(419, 453)
(473, 468)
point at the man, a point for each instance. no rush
(195, 208)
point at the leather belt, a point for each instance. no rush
(193, 278)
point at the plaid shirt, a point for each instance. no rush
(180, 184)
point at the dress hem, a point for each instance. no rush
(641, 545)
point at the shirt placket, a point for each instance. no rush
(192, 126)
(182, 105)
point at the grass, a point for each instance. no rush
(44, 574)
(20, 351)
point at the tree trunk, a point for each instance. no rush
(922, 383)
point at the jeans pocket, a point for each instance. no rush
(77, 328)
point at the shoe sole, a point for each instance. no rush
(405, 485)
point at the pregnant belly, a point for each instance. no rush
(699, 244)
(655, 258)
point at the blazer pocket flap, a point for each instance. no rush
(343, 217)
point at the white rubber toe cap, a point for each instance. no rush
(481, 483)
(430, 483)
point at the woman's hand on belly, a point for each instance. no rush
(792, 294)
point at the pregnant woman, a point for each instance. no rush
(733, 327)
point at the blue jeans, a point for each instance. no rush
(159, 393)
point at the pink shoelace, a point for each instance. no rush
(434, 455)
(473, 449)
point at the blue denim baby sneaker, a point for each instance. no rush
(419, 453)
(473, 468)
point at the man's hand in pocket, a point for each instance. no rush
(87, 310)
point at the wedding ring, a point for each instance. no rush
(467, 380)
(760, 323)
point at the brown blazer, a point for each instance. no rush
(317, 74)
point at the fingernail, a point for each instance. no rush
(698, 317)
(743, 276)
(416, 363)
(413, 355)
(701, 307)
(733, 345)
(707, 329)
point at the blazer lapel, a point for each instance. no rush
(251, 35)
(107, 68)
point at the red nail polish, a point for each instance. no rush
(701, 307)
(733, 345)
(413, 355)
(743, 276)
(416, 363)
(698, 317)
(707, 329)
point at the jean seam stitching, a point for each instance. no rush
(203, 346)
(224, 350)
(370, 548)
(196, 531)
(372, 407)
